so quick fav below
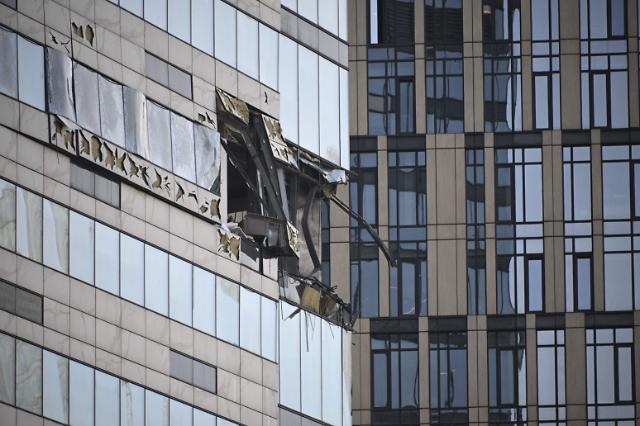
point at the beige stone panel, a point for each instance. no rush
(569, 89)
(432, 181)
(461, 182)
(365, 372)
(340, 269)
(469, 125)
(476, 8)
(461, 264)
(383, 282)
(353, 97)
(532, 377)
(361, 98)
(570, 18)
(636, 350)
(383, 183)
(423, 353)
(447, 278)
(557, 187)
(527, 94)
(472, 367)
(547, 182)
(491, 275)
(575, 377)
(432, 277)
(559, 305)
(478, 94)
(598, 273)
(632, 22)
(421, 109)
(596, 179)
(467, 20)
(360, 16)
(445, 185)
(634, 112)
(483, 378)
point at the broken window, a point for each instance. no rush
(9, 63)
(111, 111)
(182, 147)
(87, 99)
(207, 153)
(60, 84)
(159, 129)
(55, 236)
(135, 122)
(31, 73)
(81, 233)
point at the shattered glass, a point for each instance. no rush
(87, 105)
(135, 122)
(111, 111)
(8, 63)
(159, 135)
(207, 153)
(184, 162)
(60, 84)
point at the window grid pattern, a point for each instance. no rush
(610, 376)
(604, 64)
(519, 230)
(621, 226)
(507, 377)
(407, 232)
(502, 66)
(545, 63)
(363, 194)
(448, 378)
(476, 244)
(551, 377)
(395, 379)
(578, 255)
(444, 66)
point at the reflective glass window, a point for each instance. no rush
(268, 328)
(184, 163)
(225, 30)
(227, 311)
(249, 320)
(135, 122)
(159, 131)
(29, 224)
(448, 377)
(288, 85)
(289, 356)
(131, 404)
(9, 63)
(180, 19)
(133, 6)
(328, 15)
(202, 25)
(268, 56)
(107, 258)
(308, 98)
(7, 369)
(329, 111)
(81, 394)
(156, 409)
(87, 99)
(107, 402)
(179, 81)
(55, 238)
(132, 269)
(60, 83)
(180, 285)
(111, 111)
(155, 11)
(181, 414)
(248, 45)
(551, 375)
(157, 69)
(331, 373)
(309, 9)
(507, 374)
(56, 387)
(204, 298)
(28, 377)
(156, 279)
(204, 376)
(7, 215)
(81, 233)
(31, 73)
(201, 418)
(181, 367)
(207, 153)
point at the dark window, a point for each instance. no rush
(448, 378)
(476, 245)
(519, 243)
(363, 194)
(395, 390)
(167, 75)
(610, 375)
(545, 63)
(444, 66)
(507, 377)
(391, 22)
(391, 91)
(551, 377)
(407, 232)
(604, 75)
(577, 227)
(95, 185)
(502, 65)
(193, 372)
(20, 302)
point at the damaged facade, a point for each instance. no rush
(169, 171)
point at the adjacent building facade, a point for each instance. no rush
(168, 170)
(493, 149)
